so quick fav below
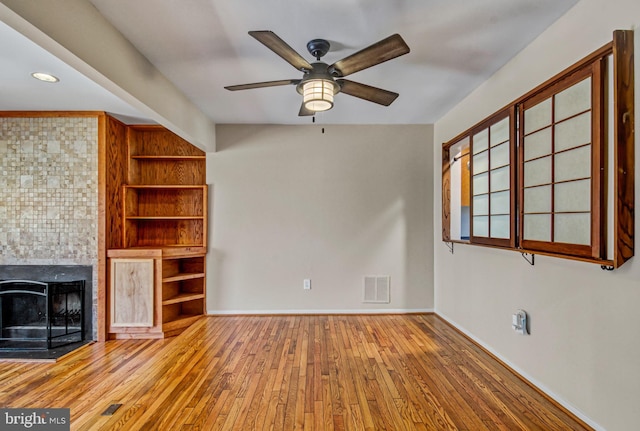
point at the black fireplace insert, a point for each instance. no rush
(40, 314)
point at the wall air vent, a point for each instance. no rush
(376, 289)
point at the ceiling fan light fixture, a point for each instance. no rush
(317, 94)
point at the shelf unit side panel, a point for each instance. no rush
(116, 176)
(205, 215)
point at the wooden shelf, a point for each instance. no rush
(165, 218)
(183, 297)
(181, 277)
(164, 186)
(169, 157)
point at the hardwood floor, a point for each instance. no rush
(389, 372)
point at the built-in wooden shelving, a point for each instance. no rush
(164, 216)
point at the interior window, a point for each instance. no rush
(562, 166)
(553, 172)
(491, 185)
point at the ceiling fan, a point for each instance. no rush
(320, 81)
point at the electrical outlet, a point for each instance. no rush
(519, 322)
(307, 284)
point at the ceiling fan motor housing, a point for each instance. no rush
(320, 71)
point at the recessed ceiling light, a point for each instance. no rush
(44, 77)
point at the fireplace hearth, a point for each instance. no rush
(41, 315)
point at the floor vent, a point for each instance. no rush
(111, 409)
(376, 289)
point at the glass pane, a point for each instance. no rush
(481, 205)
(573, 164)
(573, 132)
(537, 199)
(500, 132)
(574, 99)
(573, 228)
(500, 226)
(481, 162)
(480, 141)
(537, 227)
(537, 116)
(573, 196)
(537, 144)
(481, 184)
(481, 226)
(500, 179)
(500, 203)
(537, 172)
(500, 155)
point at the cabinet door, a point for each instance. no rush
(132, 292)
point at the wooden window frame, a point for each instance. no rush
(622, 175)
(486, 124)
(597, 246)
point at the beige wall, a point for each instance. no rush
(289, 202)
(584, 346)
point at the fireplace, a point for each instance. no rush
(41, 315)
(71, 310)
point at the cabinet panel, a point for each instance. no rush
(132, 292)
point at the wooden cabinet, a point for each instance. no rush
(164, 218)
(156, 292)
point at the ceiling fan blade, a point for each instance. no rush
(280, 47)
(386, 49)
(263, 84)
(367, 92)
(304, 111)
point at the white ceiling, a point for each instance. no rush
(19, 57)
(203, 45)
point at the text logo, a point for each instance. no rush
(35, 419)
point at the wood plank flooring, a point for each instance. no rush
(346, 372)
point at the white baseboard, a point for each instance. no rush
(358, 311)
(533, 381)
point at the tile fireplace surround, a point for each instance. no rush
(49, 198)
